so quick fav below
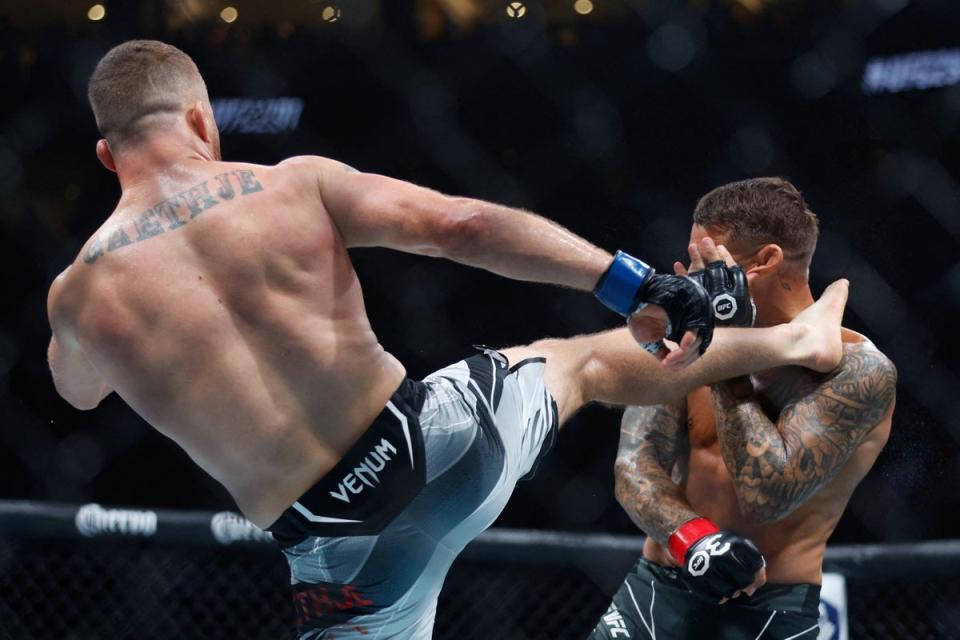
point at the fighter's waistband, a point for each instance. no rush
(377, 478)
(801, 598)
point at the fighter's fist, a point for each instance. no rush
(716, 563)
(675, 305)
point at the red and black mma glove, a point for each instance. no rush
(716, 563)
(629, 284)
(729, 294)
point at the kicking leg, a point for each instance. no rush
(609, 367)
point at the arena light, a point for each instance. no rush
(330, 13)
(516, 10)
(229, 14)
(583, 7)
(96, 13)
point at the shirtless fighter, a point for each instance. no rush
(219, 302)
(748, 470)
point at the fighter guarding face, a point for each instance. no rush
(219, 301)
(741, 483)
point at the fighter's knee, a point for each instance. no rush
(567, 369)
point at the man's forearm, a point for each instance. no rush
(652, 440)
(524, 246)
(755, 453)
(652, 500)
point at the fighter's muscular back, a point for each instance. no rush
(793, 545)
(220, 303)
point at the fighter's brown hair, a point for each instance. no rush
(762, 211)
(141, 85)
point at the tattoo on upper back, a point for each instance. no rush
(652, 439)
(776, 467)
(174, 213)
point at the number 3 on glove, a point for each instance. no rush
(699, 561)
(716, 563)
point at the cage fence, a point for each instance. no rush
(196, 575)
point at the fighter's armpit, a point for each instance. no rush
(776, 467)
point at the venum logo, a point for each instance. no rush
(228, 527)
(724, 306)
(365, 474)
(92, 520)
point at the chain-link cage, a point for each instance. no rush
(117, 589)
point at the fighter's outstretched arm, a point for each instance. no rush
(374, 210)
(776, 466)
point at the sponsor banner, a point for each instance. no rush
(912, 71)
(229, 527)
(833, 608)
(93, 520)
(257, 115)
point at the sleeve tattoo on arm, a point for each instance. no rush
(777, 466)
(652, 439)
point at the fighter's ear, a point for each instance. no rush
(765, 262)
(105, 156)
(196, 118)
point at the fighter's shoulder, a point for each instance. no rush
(861, 357)
(64, 295)
(314, 165)
(862, 390)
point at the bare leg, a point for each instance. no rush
(609, 367)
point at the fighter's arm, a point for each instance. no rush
(651, 440)
(777, 466)
(374, 210)
(75, 379)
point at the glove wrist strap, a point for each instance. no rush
(620, 285)
(687, 535)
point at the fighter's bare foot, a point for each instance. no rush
(817, 339)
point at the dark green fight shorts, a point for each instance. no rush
(654, 603)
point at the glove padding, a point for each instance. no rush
(686, 303)
(720, 564)
(729, 294)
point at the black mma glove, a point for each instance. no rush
(716, 563)
(729, 294)
(628, 284)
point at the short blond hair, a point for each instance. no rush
(141, 85)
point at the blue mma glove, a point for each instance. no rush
(630, 284)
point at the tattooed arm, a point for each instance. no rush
(777, 466)
(652, 439)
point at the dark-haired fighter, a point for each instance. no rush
(219, 301)
(742, 482)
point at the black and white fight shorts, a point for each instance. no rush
(370, 544)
